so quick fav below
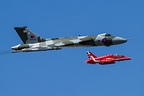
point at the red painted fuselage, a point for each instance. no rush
(107, 59)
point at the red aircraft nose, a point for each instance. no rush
(122, 58)
(127, 58)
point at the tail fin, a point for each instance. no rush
(91, 55)
(28, 36)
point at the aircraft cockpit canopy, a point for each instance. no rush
(118, 55)
(106, 34)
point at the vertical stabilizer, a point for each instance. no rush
(90, 54)
(27, 36)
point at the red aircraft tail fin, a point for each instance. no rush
(90, 54)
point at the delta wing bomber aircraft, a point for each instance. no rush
(33, 42)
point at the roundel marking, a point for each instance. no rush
(32, 36)
(104, 40)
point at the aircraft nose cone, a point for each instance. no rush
(128, 58)
(119, 40)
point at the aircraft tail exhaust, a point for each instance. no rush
(27, 36)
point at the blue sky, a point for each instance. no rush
(64, 72)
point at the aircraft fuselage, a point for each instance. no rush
(33, 42)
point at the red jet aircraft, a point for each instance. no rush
(107, 59)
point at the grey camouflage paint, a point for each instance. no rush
(33, 42)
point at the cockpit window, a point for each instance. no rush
(107, 34)
(119, 55)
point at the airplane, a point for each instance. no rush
(33, 42)
(104, 60)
